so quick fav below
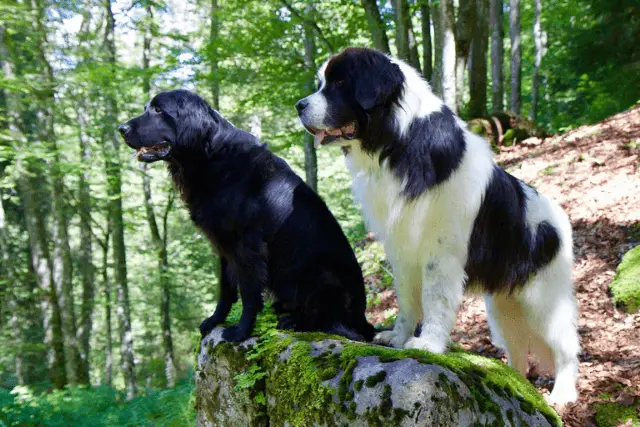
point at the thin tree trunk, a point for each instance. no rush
(61, 261)
(497, 56)
(478, 62)
(213, 58)
(438, 41)
(108, 346)
(538, 38)
(427, 63)
(405, 39)
(376, 25)
(448, 54)
(516, 57)
(160, 244)
(87, 269)
(38, 236)
(310, 156)
(465, 25)
(114, 190)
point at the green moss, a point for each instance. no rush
(373, 380)
(298, 382)
(475, 371)
(625, 286)
(299, 379)
(612, 415)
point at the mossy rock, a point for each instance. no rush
(613, 415)
(625, 286)
(513, 136)
(293, 379)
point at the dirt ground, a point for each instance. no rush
(594, 173)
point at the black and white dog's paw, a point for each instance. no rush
(235, 334)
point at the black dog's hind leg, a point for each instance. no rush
(250, 268)
(228, 296)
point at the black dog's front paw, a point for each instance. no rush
(207, 325)
(286, 322)
(234, 334)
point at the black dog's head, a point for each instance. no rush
(355, 86)
(173, 123)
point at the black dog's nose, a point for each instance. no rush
(124, 129)
(302, 104)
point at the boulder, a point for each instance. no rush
(313, 379)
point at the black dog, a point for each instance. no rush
(270, 229)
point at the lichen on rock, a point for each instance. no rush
(296, 379)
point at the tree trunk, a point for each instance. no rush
(108, 345)
(538, 38)
(438, 41)
(516, 57)
(114, 190)
(497, 56)
(310, 156)
(213, 56)
(448, 54)
(376, 25)
(405, 39)
(160, 244)
(87, 273)
(62, 263)
(87, 269)
(427, 63)
(478, 65)
(38, 235)
(465, 26)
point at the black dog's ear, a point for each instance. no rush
(377, 82)
(196, 123)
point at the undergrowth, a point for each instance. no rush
(97, 406)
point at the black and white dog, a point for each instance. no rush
(271, 230)
(449, 218)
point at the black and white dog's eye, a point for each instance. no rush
(157, 110)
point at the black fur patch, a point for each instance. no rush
(503, 251)
(270, 229)
(427, 154)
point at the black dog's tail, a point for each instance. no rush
(362, 332)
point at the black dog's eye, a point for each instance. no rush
(157, 109)
(338, 83)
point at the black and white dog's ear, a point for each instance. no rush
(379, 83)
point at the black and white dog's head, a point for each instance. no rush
(385, 106)
(355, 87)
(174, 123)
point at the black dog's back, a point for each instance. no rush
(269, 228)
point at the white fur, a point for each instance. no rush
(426, 241)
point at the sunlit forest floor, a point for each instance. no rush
(594, 173)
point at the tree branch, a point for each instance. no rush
(313, 24)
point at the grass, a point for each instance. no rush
(625, 286)
(98, 406)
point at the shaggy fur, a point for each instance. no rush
(269, 228)
(449, 218)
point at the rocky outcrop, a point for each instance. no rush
(288, 379)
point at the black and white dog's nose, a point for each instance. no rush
(302, 104)
(124, 129)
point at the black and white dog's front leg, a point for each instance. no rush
(228, 296)
(443, 280)
(250, 268)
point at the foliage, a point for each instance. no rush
(99, 406)
(613, 414)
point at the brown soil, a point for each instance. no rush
(594, 173)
